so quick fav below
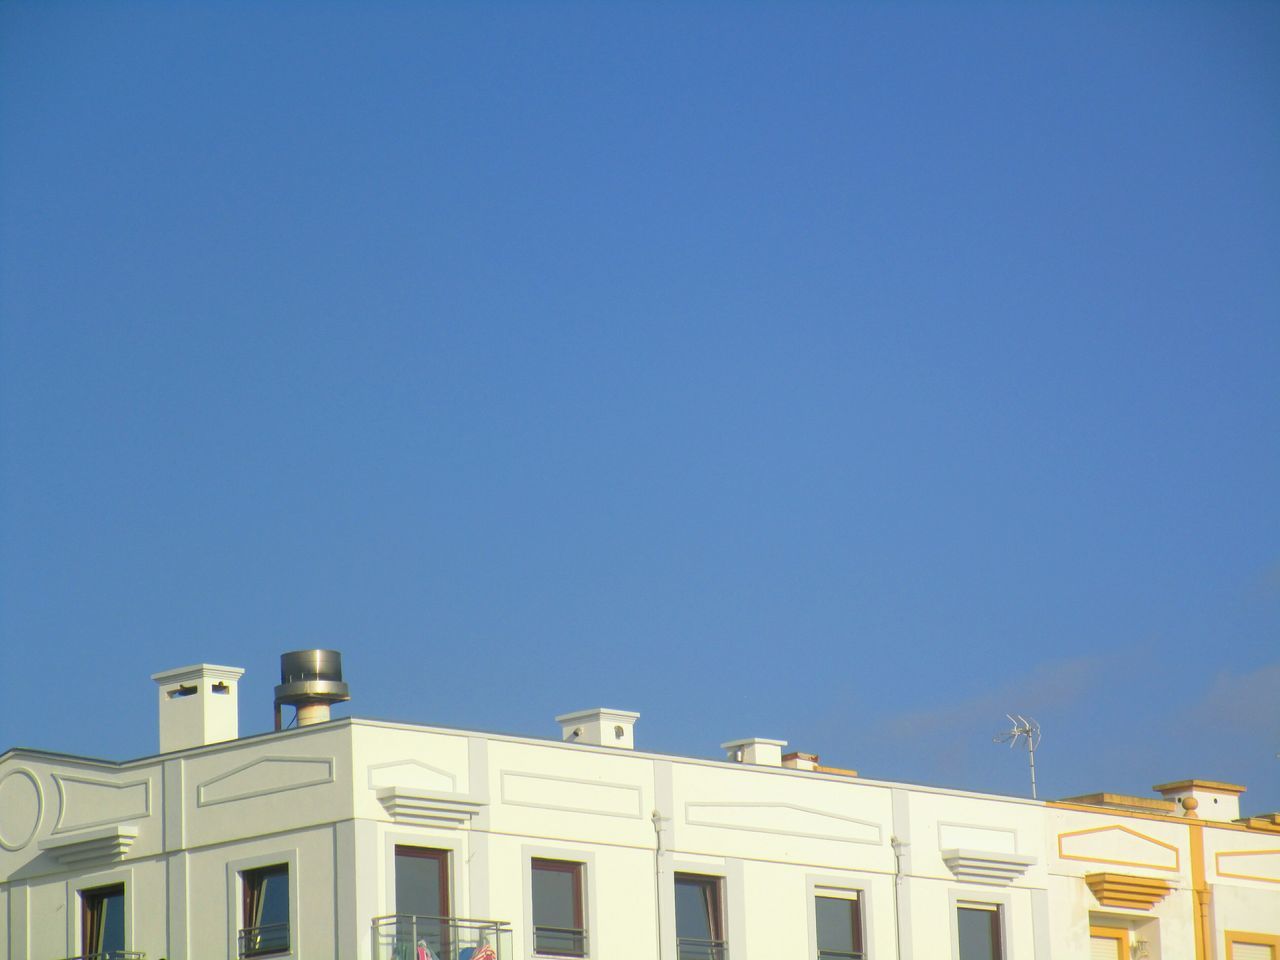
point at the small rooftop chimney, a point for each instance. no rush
(1204, 799)
(601, 727)
(198, 705)
(765, 753)
(310, 681)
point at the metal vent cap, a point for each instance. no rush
(310, 675)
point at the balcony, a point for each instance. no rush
(695, 948)
(112, 955)
(404, 937)
(264, 941)
(559, 941)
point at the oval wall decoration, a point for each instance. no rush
(20, 807)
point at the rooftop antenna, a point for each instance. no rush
(1023, 727)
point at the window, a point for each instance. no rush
(102, 920)
(839, 923)
(558, 925)
(422, 898)
(699, 918)
(1252, 946)
(266, 911)
(1108, 943)
(978, 928)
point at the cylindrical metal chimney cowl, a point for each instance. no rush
(310, 680)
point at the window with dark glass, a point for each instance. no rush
(265, 911)
(422, 898)
(699, 918)
(559, 927)
(102, 920)
(839, 922)
(978, 929)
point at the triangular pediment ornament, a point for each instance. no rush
(1118, 845)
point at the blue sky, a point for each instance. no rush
(851, 374)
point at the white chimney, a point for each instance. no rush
(199, 704)
(601, 727)
(765, 753)
(1211, 800)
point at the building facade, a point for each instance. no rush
(358, 839)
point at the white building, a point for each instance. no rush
(343, 839)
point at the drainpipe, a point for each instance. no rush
(656, 819)
(897, 881)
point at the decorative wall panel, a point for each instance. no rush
(85, 802)
(264, 777)
(1261, 865)
(785, 819)
(571, 794)
(1119, 845)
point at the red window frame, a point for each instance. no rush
(575, 870)
(441, 857)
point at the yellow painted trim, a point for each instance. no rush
(840, 771)
(1123, 801)
(1217, 864)
(1119, 934)
(1127, 891)
(1253, 939)
(1177, 857)
(1199, 890)
(1206, 786)
(1251, 827)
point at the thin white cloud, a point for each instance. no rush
(1245, 704)
(1050, 685)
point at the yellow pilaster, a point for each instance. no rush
(1200, 892)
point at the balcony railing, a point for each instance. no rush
(112, 955)
(693, 948)
(406, 937)
(264, 940)
(560, 941)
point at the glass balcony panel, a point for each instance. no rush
(696, 948)
(264, 940)
(559, 941)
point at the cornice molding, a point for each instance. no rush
(986, 866)
(425, 807)
(1127, 891)
(91, 846)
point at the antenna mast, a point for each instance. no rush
(1023, 727)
